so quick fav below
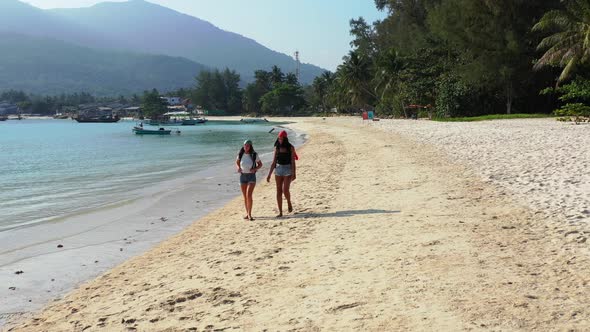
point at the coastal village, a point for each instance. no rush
(175, 105)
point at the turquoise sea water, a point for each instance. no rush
(51, 169)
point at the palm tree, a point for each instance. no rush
(291, 79)
(322, 86)
(570, 45)
(388, 68)
(337, 94)
(355, 76)
(263, 80)
(276, 75)
(329, 81)
(328, 77)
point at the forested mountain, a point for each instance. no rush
(47, 66)
(22, 18)
(146, 27)
(142, 27)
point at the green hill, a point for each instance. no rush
(48, 66)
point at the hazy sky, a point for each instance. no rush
(317, 28)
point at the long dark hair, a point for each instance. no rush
(285, 143)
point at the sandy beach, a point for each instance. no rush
(542, 161)
(392, 231)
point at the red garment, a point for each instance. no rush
(283, 134)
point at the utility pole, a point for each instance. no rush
(298, 68)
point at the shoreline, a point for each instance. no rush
(387, 234)
(98, 240)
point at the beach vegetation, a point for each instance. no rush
(576, 90)
(567, 44)
(49, 105)
(291, 79)
(14, 96)
(355, 75)
(458, 58)
(276, 76)
(575, 97)
(218, 90)
(274, 93)
(283, 99)
(492, 117)
(577, 112)
(254, 91)
(152, 105)
(318, 93)
(389, 66)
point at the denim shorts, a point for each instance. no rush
(246, 178)
(283, 170)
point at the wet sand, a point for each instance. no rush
(388, 234)
(56, 257)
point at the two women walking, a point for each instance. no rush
(283, 166)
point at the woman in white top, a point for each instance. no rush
(248, 163)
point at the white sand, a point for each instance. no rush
(540, 162)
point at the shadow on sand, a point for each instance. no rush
(337, 214)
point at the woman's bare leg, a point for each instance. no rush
(244, 188)
(279, 181)
(250, 199)
(287, 192)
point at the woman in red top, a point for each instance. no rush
(285, 170)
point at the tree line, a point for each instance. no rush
(219, 92)
(272, 92)
(49, 105)
(464, 58)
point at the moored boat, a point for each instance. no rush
(97, 119)
(165, 122)
(192, 122)
(161, 131)
(253, 120)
